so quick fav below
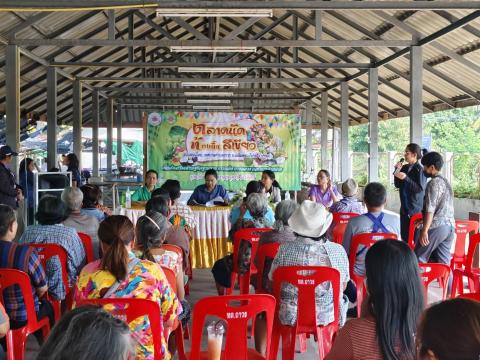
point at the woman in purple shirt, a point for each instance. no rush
(325, 192)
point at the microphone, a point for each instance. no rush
(398, 169)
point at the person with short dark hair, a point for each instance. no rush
(437, 229)
(144, 193)
(10, 192)
(72, 163)
(91, 202)
(391, 310)
(26, 259)
(50, 230)
(88, 332)
(450, 330)
(411, 181)
(272, 187)
(374, 221)
(119, 274)
(209, 191)
(177, 208)
(240, 212)
(325, 192)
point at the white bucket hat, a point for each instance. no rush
(311, 219)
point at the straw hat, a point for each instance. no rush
(349, 187)
(311, 219)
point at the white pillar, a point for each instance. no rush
(95, 124)
(324, 132)
(51, 117)
(109, 135)
(345, 161)
(373, 124)
(12, 100)
(308, 144)
(119, 136)
(77, 120)
(416, 102)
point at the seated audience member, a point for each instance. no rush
(376, 220)
(257, 205)
(91, 197)
(437, 229)
(349, 203)
(50, 215)
(73, 198)
(325, 192)
(208, 191)
(176, 234)
(272, 187)
(309, 222)
(4, 327)
(391, 310)
(240, 211)
(144, 193)
(282, 232)
(176, 208)
(23, 258)
(150, 233)
(119, 274)
(86, 333)
(450, 330)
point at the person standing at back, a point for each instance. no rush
(437, 229)
(411, 181)
(10, 192)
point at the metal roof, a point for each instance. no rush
(450, 73)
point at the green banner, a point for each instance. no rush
(183, 145)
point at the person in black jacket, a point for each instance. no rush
(10, 192)
(411, 181)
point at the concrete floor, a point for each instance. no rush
(202, 286)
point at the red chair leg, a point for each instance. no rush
(457, 284)
(359, 298)
(288, 342)
(302, 341)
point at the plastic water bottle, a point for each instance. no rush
(287, 195)
(128, 199)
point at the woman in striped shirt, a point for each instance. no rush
(391, 311)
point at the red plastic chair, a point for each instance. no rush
(367, 240)
(338, 231)
(236, 311)
(16, 339)
(130, 309)
(411, 229)
(306, 279)
(470, 272)
(46, 252)
(251, 236)
(433, 271)
(264, 252)
(343, 217)
(462, 229)
(87, 244)
(471, 296)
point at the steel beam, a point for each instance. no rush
(12, 88)
(416, 94)
(77, 120)
(25, 24)
(51, 117)
(277, 90)
(130, 38)
(110, 114)
(111, 24)
(197, 34)
(214, 43)
(318, 25)
(344, 158)
(373, 124)
(202, 80)
(95, 122)
(118, 113)
(324, 130)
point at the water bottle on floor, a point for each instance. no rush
(128, 199)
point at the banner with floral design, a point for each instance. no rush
(183, 145)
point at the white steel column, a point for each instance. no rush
(373, 124)
(119, 136)
(344, 158)
(416, 101)
(51, 117)
(12, 97)
(95, 122)
(308, 143)
(77, 120)
(109, 135)
(324, 131)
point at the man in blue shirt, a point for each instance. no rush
(209, 191)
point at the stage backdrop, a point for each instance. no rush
(183, 145)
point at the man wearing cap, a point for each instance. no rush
(10, 193)
(311, 248)
(349, 203)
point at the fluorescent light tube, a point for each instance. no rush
(200, 93)
(212, 107)
(208, 101)
(187, 69)
(208, 83)
(194, 48)
(215, 12)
